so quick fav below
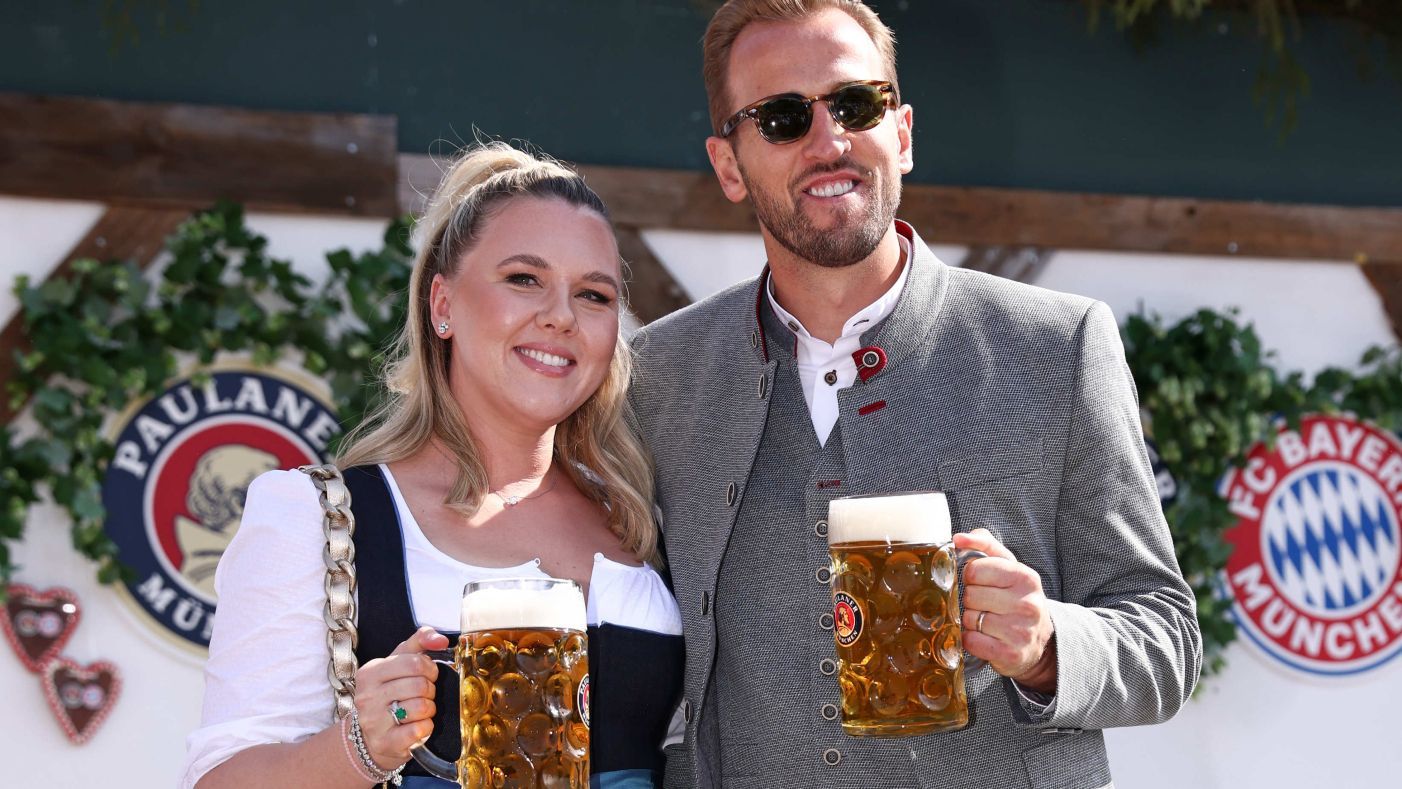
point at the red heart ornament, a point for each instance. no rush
(81, 696)
(38, 624)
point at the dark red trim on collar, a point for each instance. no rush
(759, 318)
(904, 229)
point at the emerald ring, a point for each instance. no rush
(397, 710)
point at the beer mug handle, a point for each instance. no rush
(436, 765)
(963, 557)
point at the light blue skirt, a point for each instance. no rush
(618, 779)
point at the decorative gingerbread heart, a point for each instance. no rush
(81, 696)
(37, 624)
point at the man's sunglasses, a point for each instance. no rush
(785, 118)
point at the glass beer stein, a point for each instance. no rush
(895, 586)
(523, 674)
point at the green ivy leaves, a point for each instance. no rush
(106, 335)
(1210, 393)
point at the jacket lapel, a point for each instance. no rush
(891, 438)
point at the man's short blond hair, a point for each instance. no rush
(736, 15)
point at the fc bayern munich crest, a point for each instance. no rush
(1315, 573)
(174, 491)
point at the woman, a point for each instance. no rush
(504, 450)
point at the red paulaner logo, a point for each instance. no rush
(1315, 574)
(174, 491)
(846, 618)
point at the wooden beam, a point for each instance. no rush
(954, 215)
(190, 156)
(677, 199)
(130, 233)
(686, 200)
(652, 292)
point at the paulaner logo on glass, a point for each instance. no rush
(1316, 574)
(175, 488)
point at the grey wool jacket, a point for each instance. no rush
(1017, 402)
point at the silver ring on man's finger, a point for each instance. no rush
(978, 623)
(397, 711)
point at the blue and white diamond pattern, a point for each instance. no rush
(1330, 537)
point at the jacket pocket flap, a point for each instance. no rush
(990, 462)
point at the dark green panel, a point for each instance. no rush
(1008, 93)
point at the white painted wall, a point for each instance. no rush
(1314, 314)
(1249, 727)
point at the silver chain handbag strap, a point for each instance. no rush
(339, 557)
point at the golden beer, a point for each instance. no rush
(896, 615)
(524, 709)
(523, 667)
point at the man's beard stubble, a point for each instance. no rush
(850, 243)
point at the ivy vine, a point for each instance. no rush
(109, 334)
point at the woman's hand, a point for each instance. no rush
(406, 677)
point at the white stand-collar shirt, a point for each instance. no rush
(825, 369)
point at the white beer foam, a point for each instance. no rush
(909, 517)
(555, 607)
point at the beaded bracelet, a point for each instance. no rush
(346, 745)
(364, 765)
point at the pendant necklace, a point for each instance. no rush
(512, 501)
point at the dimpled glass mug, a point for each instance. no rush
(523, 668)
(895, 586)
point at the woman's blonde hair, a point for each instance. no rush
(596, 439)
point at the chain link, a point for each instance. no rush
(339, 558)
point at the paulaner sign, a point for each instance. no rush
(175, 488)
(1316, 574)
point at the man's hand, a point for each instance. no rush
(1006, 620)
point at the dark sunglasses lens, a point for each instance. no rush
(784, 119)
(858, 107)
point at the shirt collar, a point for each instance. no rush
(865, 318)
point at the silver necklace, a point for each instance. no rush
(512, 501)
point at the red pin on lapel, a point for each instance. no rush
(38, 624)
(81, 696)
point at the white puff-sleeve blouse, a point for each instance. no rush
(265, 679)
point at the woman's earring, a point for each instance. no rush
(443, 327)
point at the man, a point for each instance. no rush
(858, 363)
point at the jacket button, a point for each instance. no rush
(825, 621)
(705, 603)
(828, 666)
(730, 492)
(870, 359)
(686, 710)
(763, 386)
(754, 338)
(832, 757)
(821, 529)
(829, 712)
(823, 575)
